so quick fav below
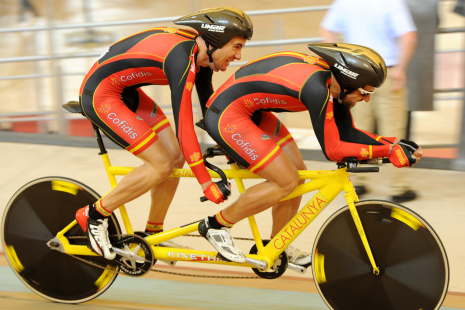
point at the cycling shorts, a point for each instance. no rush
(131, 119)
(252, 140)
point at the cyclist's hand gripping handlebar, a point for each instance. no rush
(216, 192)
(405, 154)
(220, 188)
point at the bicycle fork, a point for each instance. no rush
(351, 198)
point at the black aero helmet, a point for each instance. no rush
(219, 25)
(352, 65)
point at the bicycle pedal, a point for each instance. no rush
(221, 257)
(298, 268)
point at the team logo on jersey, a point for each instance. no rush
(139, 118)
(245, 146)
(269, 100)
(154, 110)
(230, 128)
(189, 86)
(248, 103)
(195, 157)
(346, 71)
(265, 137)
(134, 75)
(114, 81)
(170, 30)
(277, 129)
(310, 59)
(213, 28)
(105, 108)
(364, 152)
(124, 125)
(330, 115)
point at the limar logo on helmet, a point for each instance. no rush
(346, 71)
(213, 28)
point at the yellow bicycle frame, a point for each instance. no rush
(329, 184)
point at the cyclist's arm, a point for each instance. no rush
(334, 128)
(204, 86)
(181, 78)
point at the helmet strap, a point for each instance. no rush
(209, 53)
(210, 59)
(342, 95)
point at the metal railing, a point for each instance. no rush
(58, 75)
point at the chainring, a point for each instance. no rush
(278, 268)
(138, 265)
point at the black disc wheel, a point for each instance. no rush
(414, 271)
(33, 216)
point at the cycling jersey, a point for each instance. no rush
(111, 97)
(285, 82)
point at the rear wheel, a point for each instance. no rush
(414, 270)
(33, 216)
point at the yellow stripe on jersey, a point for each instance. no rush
(153, 134)
(196, 163)
(284, 139)
(265, 159)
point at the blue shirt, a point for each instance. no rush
(373, 23)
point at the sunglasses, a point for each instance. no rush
(366, 92)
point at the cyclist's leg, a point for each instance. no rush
(158, 165)
(118, 120)
(162, 194)
(282, 178)
(253, 149)
(275, 129)
(236, 132)
(113, 113)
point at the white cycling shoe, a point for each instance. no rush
(298, 257)
(97, 232)
(222, 241)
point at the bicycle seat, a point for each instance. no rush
(73, 107)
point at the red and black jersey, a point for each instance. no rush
(158, 56)
(292, 82)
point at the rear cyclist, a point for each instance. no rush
(292, 82)
(112, 98)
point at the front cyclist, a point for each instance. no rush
(292, 82)
(112, 98)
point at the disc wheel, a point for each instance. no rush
(33, 216)
(414, 270)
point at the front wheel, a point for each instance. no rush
(33, 216)
(414, 270)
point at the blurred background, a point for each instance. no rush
(48, 45)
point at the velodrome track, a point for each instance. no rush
(440, 203)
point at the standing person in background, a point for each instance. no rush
(388, 28)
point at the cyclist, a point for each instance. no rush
(292, 82)
(112, 98)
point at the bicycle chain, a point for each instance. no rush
(158, 270)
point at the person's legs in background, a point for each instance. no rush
(388, 110)
(391, 116)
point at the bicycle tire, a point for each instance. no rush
(33, 216)
(414, 270)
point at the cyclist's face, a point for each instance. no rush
(231, 51)
(353, 97)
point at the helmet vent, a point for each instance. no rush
(343, 58)
(208, 17)
(240, 20)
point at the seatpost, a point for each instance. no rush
(99, 139)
